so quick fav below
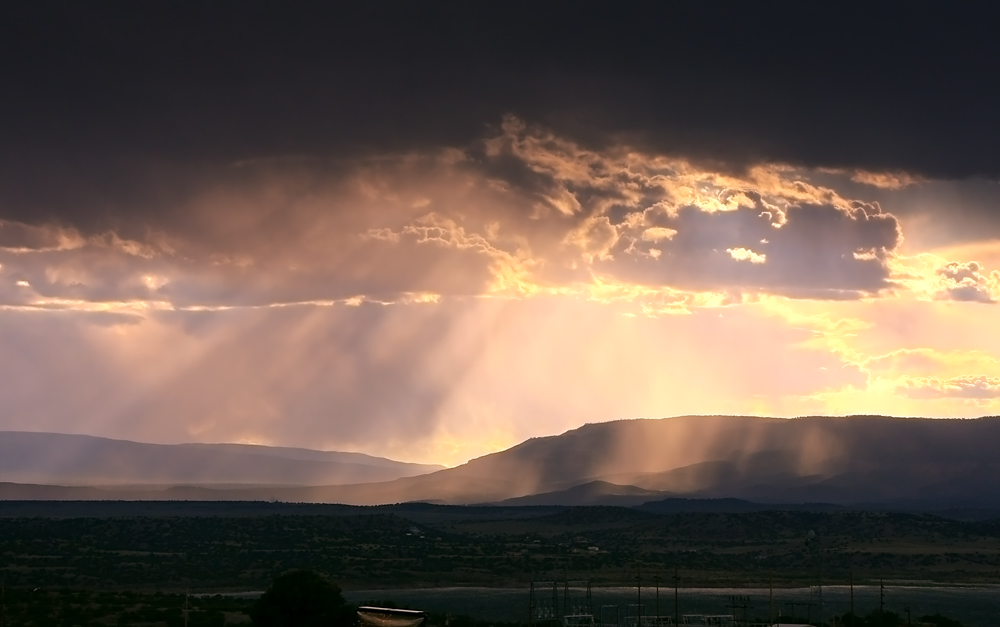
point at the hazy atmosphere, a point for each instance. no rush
(342, 231)
(499, 314)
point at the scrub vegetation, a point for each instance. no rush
(138, 568)
(435, 545)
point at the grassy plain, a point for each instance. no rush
(131, 564)
(169, 550)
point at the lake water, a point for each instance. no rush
(974, 606)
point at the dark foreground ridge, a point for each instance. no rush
(430, 512)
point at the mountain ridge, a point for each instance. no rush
(56, 458)
(837, 460)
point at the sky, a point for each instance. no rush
(429, 231)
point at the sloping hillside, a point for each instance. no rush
(52, 458)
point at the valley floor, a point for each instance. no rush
(225, 547)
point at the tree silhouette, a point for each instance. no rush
(301, 598)
(940, 621)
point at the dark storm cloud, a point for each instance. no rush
(523, 211)
(280, 237)
(809, 250)
(116, 112)
(659, 222)
(15, 236)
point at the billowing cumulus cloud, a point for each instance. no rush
(749, 247)
(967, 282)
(523, 211)
(885, 180)
(744, 254)
(933, 277)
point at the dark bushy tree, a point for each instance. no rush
(851, 620)
(301, 598)
(940, 621)
(892, 619)
(885, 619)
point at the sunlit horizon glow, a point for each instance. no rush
(425, 308)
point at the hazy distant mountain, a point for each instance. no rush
(818, 459)
(840, 460)
(729, 506)
(76, 460)
(590, 493)
(849, 460)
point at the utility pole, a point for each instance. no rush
(566, 608)
(638, 596)
(881, 602)
(656, 581)
(555, 596)
(770, 598)
(740, 603)
(677, 615)
(819, 557)
(808, 607)
(187, 593)
(531, 604)
(852, 598)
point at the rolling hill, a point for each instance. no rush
(79, 460)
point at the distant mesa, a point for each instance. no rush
(731, 462)
(80, 460)
(590, 493)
